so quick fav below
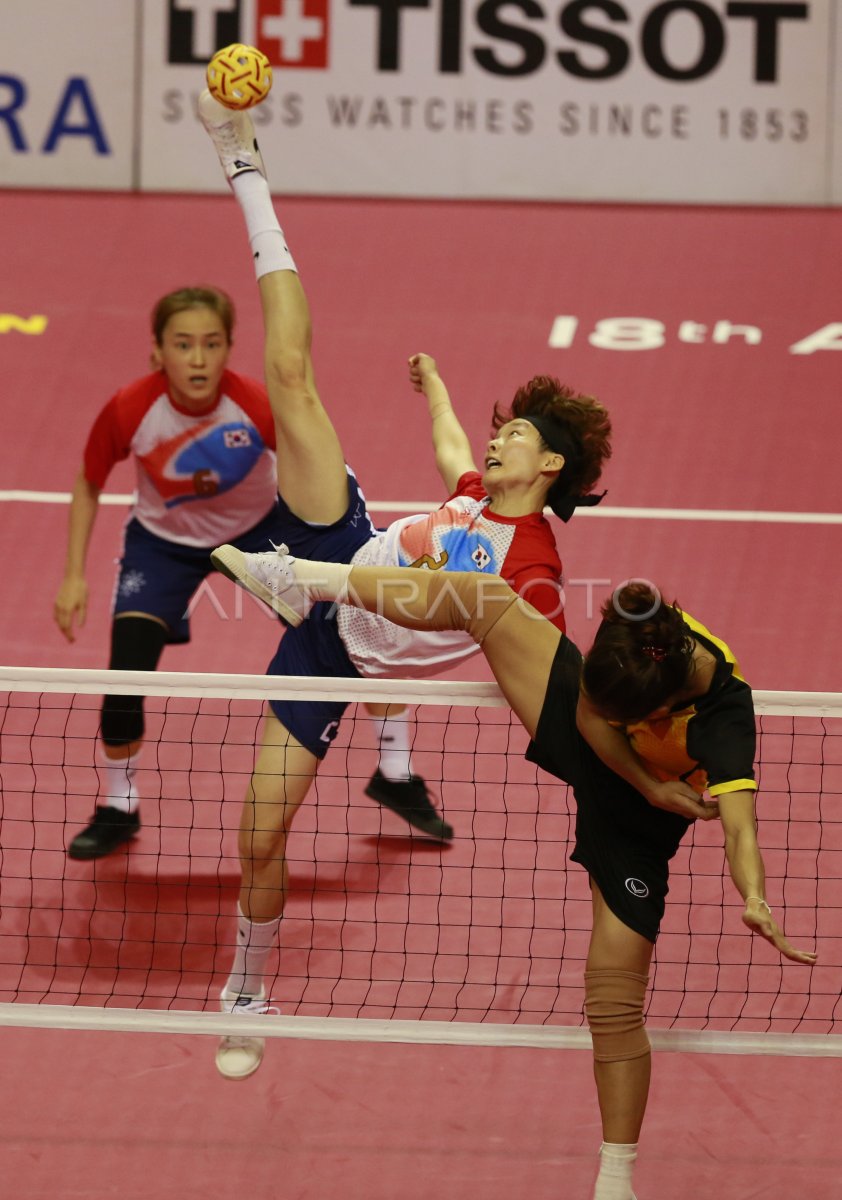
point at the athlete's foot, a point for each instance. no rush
(410, 799)
(109, 828)
(232, 134)
(614, 1179)
(239, 1056)
(269, 576)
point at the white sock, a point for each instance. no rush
(321, 580)
(117, 789)
(615, 1171)
(255, 940)
(266, 237)
(393, 734)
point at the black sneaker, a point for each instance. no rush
(109, 828)
(410, 799)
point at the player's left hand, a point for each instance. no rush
(758, 917)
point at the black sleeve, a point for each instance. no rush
(722, 736)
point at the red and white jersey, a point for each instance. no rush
(202, 479)
(460, 536)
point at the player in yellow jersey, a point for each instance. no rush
(654, 717)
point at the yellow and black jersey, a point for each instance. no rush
(709, 743)
(624, 842)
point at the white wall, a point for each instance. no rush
(538, 99)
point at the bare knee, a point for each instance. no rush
(266, 820)
(262, 846)
(287, 370)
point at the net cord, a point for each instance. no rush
(440, 1033)
(399, 691)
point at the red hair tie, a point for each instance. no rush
(656, 653)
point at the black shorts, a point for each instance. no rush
(621, 840)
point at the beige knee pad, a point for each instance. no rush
(462, 600)
(614, 1008)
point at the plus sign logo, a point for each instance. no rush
(291, 33)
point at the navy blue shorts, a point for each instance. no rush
(623, 843)
(158, 577)
(315, 647)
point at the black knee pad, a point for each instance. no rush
(136, 645)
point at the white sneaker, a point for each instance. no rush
(268, 576)
(237, 1057)
(232, 134)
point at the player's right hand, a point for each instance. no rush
(676, 796)
(71, 605)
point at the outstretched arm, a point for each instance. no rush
(450, 442)
(615, 750)
(745, 864)
(71, 603)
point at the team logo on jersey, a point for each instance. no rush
(468, 549)
(198, 463)
(457, 535)
(637, 888)
(234, 438)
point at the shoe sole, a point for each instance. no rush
(233, 169)
(224, 1004)
(95, 852)
(434, 827)
(244, 1075)
(227, 561)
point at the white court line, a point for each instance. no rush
(604, 510)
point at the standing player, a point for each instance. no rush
(655, 716)
(203, 440)
(548, 449)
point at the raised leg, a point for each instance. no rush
(311, 466)
(312, 477)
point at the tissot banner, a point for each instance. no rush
(698, 101)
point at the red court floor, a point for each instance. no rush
(705, 419)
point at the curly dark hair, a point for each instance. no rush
(583, 420)
(642, 655)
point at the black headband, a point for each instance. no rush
(565, 442)
(560, 440)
